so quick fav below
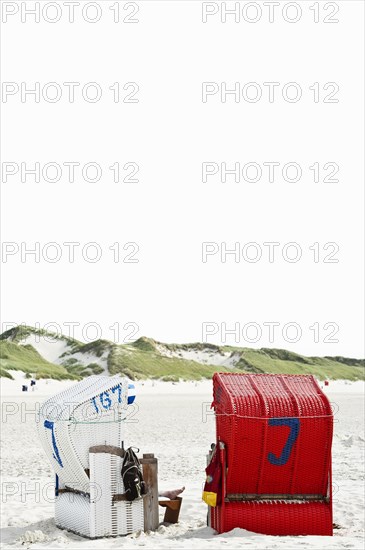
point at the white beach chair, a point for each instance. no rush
(81, 432)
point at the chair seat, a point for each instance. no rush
(279, 518)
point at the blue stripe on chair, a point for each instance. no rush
(131, 393)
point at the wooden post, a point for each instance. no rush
(150, 501)
(222, 458)
(209, 458)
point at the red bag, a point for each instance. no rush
(212, 487)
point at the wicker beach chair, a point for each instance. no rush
(274, 436)
(81, 430)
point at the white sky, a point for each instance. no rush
(170, 293)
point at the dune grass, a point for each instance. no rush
(28, 360)
(137, 363)
(321, 367)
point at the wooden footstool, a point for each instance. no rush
(172, 509)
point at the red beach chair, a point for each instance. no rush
(274, 436)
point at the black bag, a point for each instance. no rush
(132, 476)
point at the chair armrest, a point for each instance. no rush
(109, 449)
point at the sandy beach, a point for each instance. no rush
(173, 421)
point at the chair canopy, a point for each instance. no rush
(88, 413)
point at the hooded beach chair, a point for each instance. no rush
(81, 430)
(270, 471)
